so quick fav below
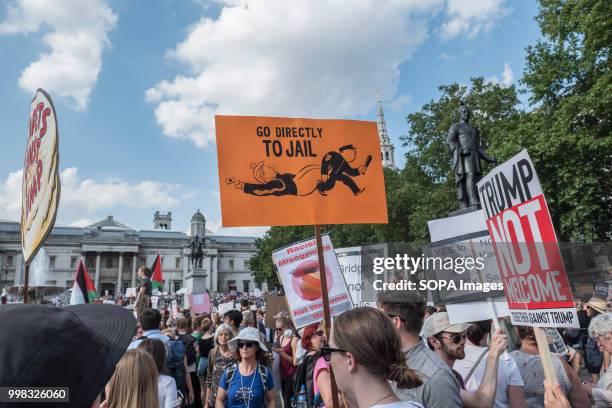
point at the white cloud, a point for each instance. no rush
(76, 33)
(83, 222)
(400, 102)
(10, 196)
(317, 58)
(81, 199)
(507, 77)
(446, 57)
(471, 17)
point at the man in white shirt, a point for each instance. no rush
(509, 388)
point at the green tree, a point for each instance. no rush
(568, 78)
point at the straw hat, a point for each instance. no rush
(597, 304)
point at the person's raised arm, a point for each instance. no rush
(484, 396)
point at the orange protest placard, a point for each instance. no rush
(286, 171)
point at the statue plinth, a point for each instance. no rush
(196, 280)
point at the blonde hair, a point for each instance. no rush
(134, 383)
(369, 335)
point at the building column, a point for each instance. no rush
(185, 269)
(17, 277)
(134, 259)
(209, 273)
(119, 275)
(214, 268)
(97, 274)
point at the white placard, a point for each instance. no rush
(298, 269)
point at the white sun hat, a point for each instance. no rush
(247, 334)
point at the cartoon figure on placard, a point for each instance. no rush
(335, 167)
(271, 182)
(306, 280)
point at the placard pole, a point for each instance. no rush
(496, 324)
(326, 311)
(545, 356)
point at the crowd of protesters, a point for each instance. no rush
(399, 354)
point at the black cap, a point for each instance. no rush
(347, 147)
(75, 346)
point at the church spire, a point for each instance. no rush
(386, 148)
(382, 125)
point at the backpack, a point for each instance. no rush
(263, 375)
(175, 355)
(189, 343)
(303, 375)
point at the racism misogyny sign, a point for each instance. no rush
(290, 171)
(41, 182)
(298, 270)
(526, 248)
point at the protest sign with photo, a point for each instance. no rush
(289, 171)
(199, 302)
(526, 248)
(298, 270)
(155, 302)
(41, 181)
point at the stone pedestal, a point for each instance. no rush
(195, 282)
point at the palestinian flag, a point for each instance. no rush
(83, 290)
(157, 279)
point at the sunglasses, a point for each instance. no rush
(246, 345)
(326, 352)
(456, 338)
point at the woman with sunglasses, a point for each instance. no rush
(219, 358)
(318, 387)
(365, 353)
(246, 384)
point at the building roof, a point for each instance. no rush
(109, 222)
(166, 234)
(230, 239)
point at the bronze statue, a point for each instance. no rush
(197, 252)
(463, 141)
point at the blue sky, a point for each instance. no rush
(136, 84)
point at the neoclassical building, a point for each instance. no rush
(113, 251)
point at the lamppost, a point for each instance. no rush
(6, 270)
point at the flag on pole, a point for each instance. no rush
(83, 289)
(157, 279)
